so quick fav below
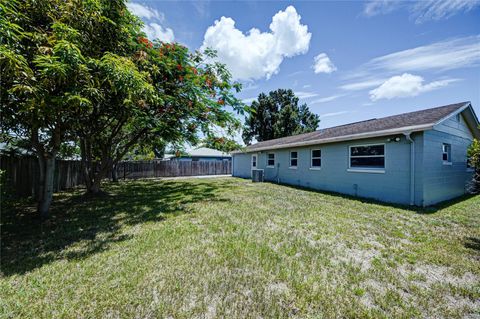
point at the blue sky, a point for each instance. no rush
(348, 60)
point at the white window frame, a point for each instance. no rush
(295, 158)
(256, 161)
(449, 154)
(365, 169)
(271, 166)
(315, 168)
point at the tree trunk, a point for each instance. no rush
(45, 189)
(95, 185)
(46, 161)
(114, 173)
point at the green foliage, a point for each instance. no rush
(278, 115)
(83, 71)
(473, 154)
(223, 144)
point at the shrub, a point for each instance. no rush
(474, 161)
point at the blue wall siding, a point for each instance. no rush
(434, 181)
(419, 158)
(242, 165)
(391, 186)
(443, 182)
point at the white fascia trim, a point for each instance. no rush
(459, 110)
(401, 130)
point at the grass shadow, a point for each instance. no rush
(472, 243)
(92, 223)
(364, 200)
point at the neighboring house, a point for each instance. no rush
(204, 154)
(417, 158)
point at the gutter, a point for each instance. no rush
(412, 167)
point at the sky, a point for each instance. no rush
(348, 60)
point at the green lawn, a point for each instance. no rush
(230, 248)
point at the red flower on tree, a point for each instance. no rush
(221, 101)
(145, 42)
(142, 40)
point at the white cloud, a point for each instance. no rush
(437, 10)
(361, 85)
(445, 55)
(305, 95)
(439, 56)
(156, 31)
(421, 11)
(406, 85)
(249, 86)
(323, 64)
(333, 114)
(152, 28)
(296, 73)
(249, 100)
(144, 12)
(327, 99)
(376, 7)
(258, 54)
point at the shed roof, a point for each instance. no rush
(406, 122)
(207, 152)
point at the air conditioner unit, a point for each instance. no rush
(257, 175)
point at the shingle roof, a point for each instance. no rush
(391, 123)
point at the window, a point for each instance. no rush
(254, 161)
(293, 159)
(316, 157)
(270, 160)
(367, 156)
(446, 153)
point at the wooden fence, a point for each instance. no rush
(145, 169)
(21, 173)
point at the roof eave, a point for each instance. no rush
(406, 129)
(470, 116)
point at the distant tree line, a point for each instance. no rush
(277, 114)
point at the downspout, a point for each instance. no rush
(412, 167)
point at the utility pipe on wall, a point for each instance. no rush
(412, 167)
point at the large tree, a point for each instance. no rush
(178, 96)
(43, 71)
(82, 71)
(278, 115)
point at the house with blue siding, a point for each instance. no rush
(417, 158)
